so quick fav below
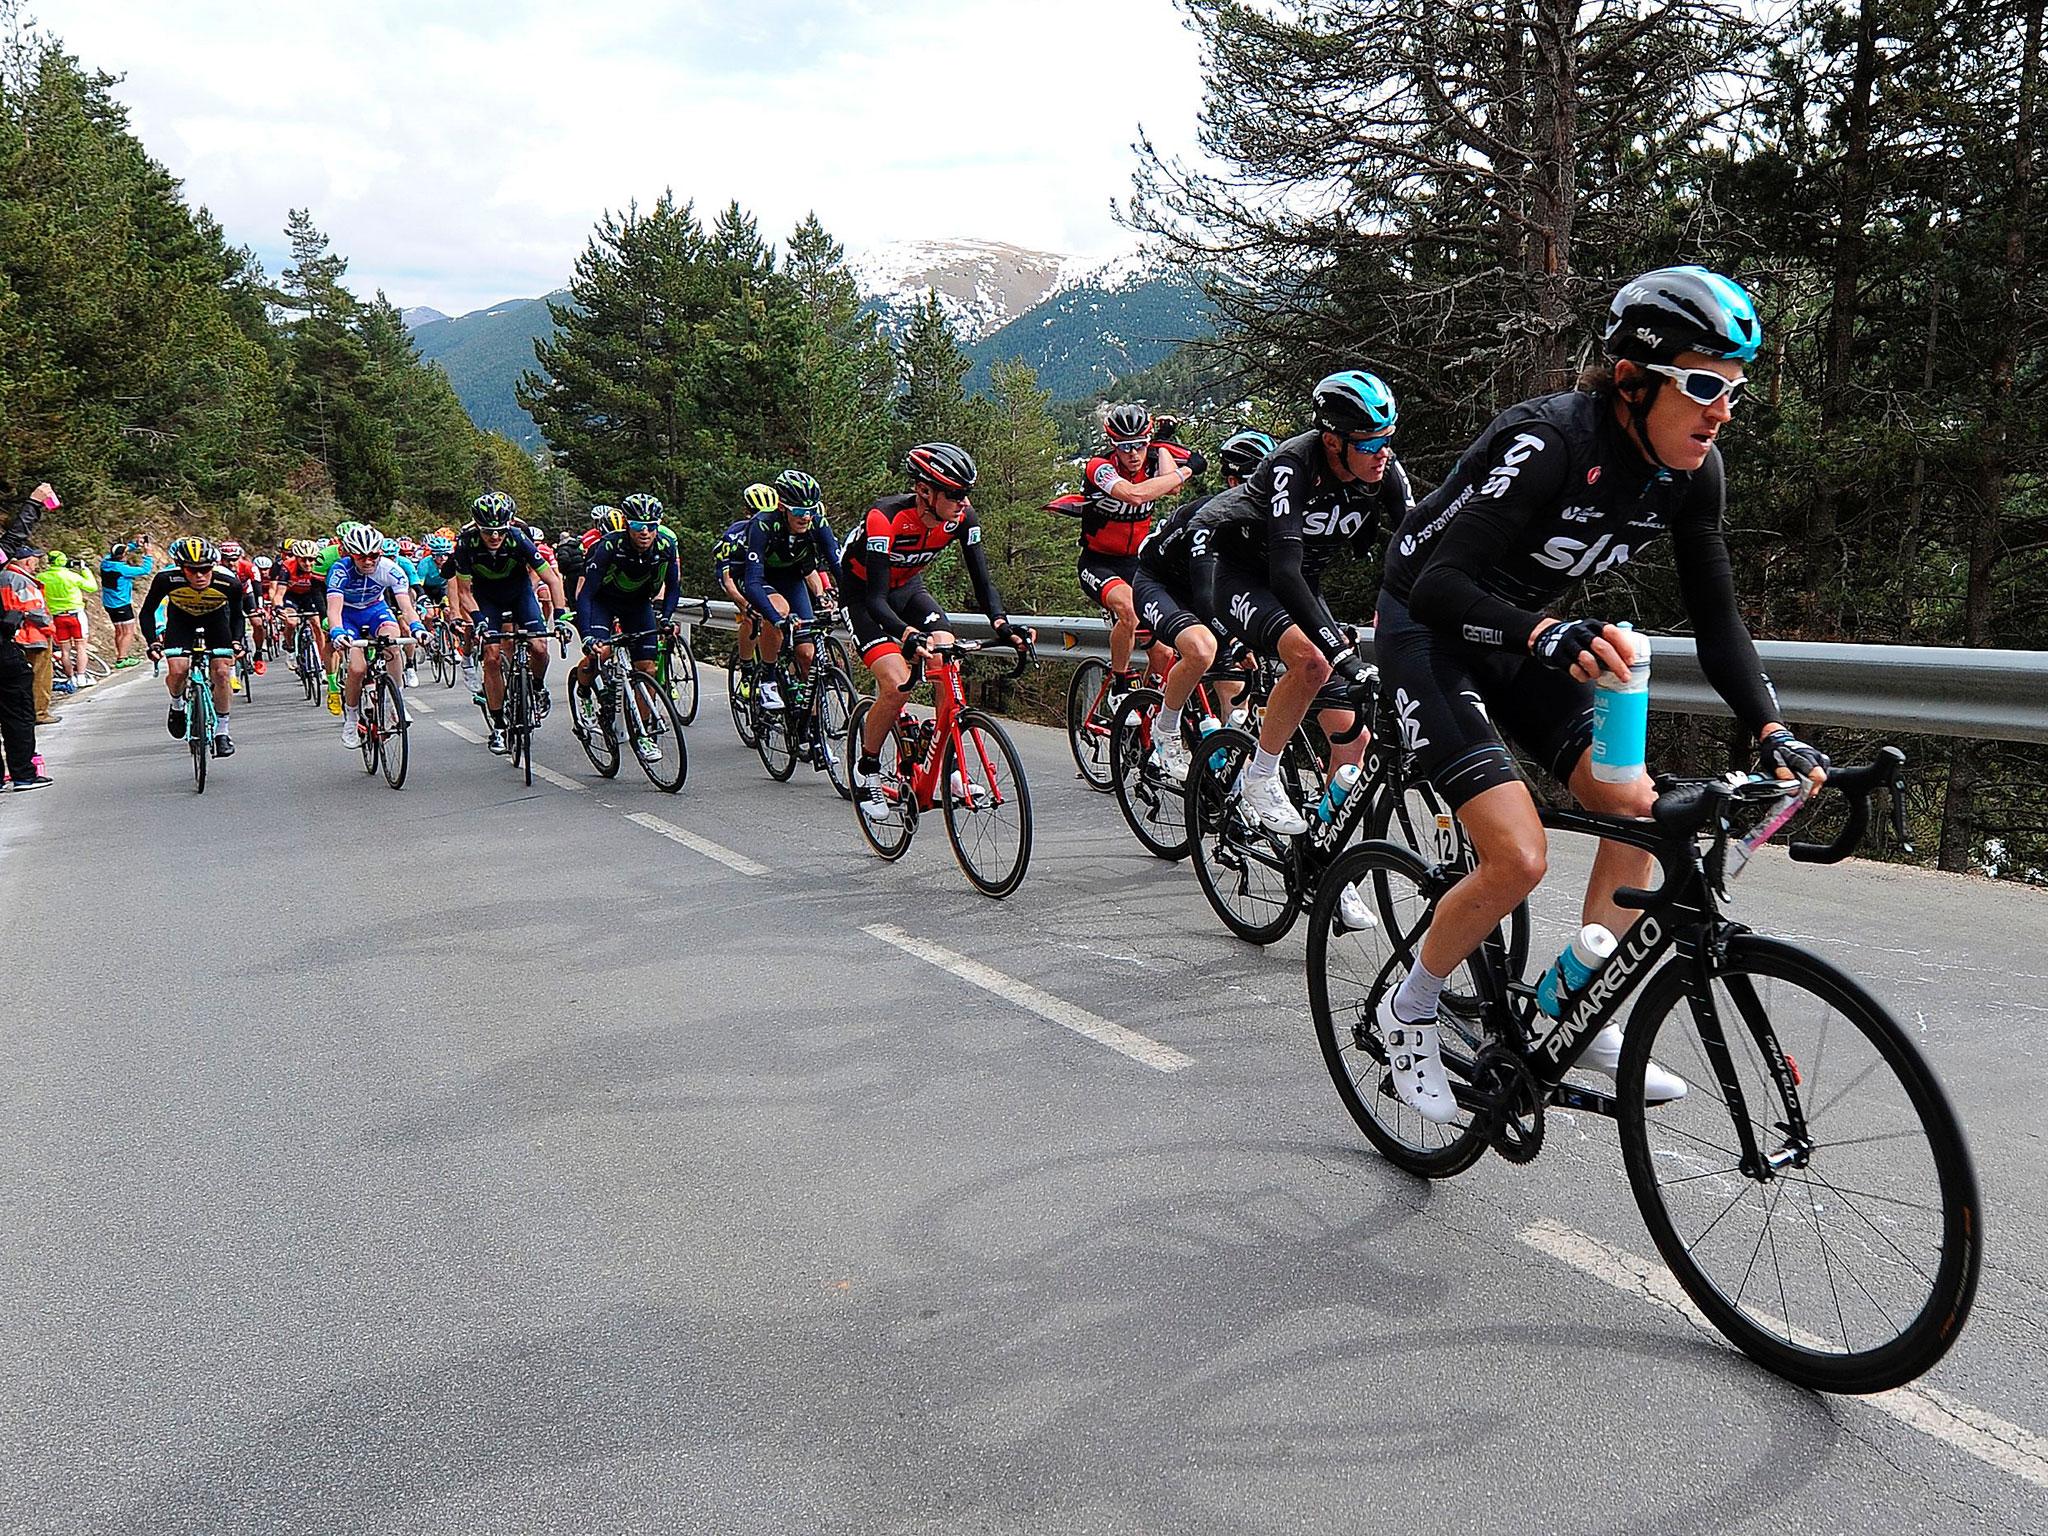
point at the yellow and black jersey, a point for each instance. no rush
(222, 594)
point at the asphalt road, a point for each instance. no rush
(476, 1159)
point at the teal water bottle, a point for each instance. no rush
(1568, 972)
(1341, 783)
(1209, 727)
(1621, 716)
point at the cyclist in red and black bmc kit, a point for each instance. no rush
(1116, 514)
(893, 616)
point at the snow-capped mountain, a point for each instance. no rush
(984, 284)
(418, 316)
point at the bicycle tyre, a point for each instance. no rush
(981, 742)
(599, 738)
(196, 734)
(742, 707)
(1232, 854)
(835, 704)
(247, 672)
(1418, 819)
(1937, 1304)
(519, 713)
(1154, 807)
(1349, 970)
(394, 747)
(834, 648)
(652, 702)
(775, 734)
(891, 837)
(1088, 723)
(682, 679)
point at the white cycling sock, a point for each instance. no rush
(1415, 999)
(1169, 720)
(1264, 764)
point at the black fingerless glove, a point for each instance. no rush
(1560, 645)
(1781, 749)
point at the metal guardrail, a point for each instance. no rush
(1929, 690)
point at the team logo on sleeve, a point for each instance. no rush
(1525, 447)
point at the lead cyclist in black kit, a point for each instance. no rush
(1556, 489)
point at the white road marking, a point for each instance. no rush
(1933, 1412)
(559, 780)
(461, 730)
(703, 845)
(1140, 1048)
(420, 706)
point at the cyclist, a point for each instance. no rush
(303, 594)
(361, 587)
(1257, 552)
(790, 553)
(495, 567)
(1116, 514)
(203, 611)
(1471, 639)
(894, 618)
(729, 564)
(1162, 589)
(625, 568)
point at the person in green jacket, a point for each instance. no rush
(64, 592)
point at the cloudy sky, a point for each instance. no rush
(458, 152)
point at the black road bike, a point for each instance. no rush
(816, 707)
(1812, 1191)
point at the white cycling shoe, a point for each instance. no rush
(1265, 801)
(771, 696)
(874, 800)
(1352, 910)
(1603, 1054)
(412, 677)
(1415, 1061)
(1174, 758)
(351, 734)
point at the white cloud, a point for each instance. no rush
(459, 153)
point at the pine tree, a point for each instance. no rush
(933, 404)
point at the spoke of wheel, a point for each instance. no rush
(1904, 1257)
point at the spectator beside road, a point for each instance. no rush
(65, 587)
(30, 565)
(20, 529)
(23, 620)
(124, 566)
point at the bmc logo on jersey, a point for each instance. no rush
(1575, 557)
(1524, 447)
(1334, 521)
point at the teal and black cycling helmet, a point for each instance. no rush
(801, 494)
(1355, 403)
(1681, 309)
(494, 509)
(1243, 452)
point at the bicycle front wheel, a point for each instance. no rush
(835, 707)
(682, 680)
(741, 704)
(656, 733)
(888, 835)
(987, 804)
(1250, 876)
(1844, 1257)
(775, 737)
(1088, 722)
(1154, 807)
(1351, 969)
(395, 741)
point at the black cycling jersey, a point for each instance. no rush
(1291, 518)
(1165, 550)
(1552, 492)
(777, 552)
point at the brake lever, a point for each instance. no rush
(1898, 795)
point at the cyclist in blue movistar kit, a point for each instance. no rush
(790, 553)
(1469, 638)
(729, 565)
(362, 588)
(625, 571)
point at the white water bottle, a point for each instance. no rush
(1577, 961)
(1621, 716)
(1341, 783)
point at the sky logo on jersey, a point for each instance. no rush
(1407, 711)
(1283, 477)
(1525, 447)
(1241, 611)
(1576, 557)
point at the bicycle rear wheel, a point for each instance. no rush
(656, 733)
(1088, 722)
(394, 740)
(1848, 1264)
(1418, 818)
(1250, 876)
(1351, 969)
(987, 804)
(681, 662)
(599, 734)
(888, 835)
(1154, 807)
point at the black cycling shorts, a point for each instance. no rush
(1454, 700)
(1099, 573)
(184, 632)
(911, 604)
(1247, 605)
(1161, 609)
(120, 613)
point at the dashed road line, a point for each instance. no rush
(1054, 1010)
(460, 730)
(559, 780)
(1934, 1413)
(420, 706)
(703, 845)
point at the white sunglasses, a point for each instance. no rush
(1703, 386)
